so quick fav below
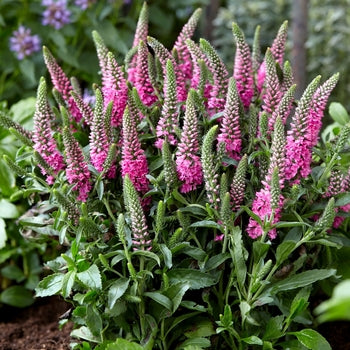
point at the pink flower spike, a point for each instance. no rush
(77, 171)
(243, 67)
(134, 162)
(44, 142)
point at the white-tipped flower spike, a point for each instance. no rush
(209, 168)
(185, 62)
(243, 67)
(298, 155)
(216, 102)
(230, 132)
(188, 164)
(44, 142)
(238, 184)
(285, 106)
(168, 121)
(140, 234)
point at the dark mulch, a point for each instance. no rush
(35, 327)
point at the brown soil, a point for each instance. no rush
(36, 327)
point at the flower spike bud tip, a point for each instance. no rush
(288, 78)
(210, 174)
(238, 184)
(44, 142)
(216, 102)
(101, 50)
(83, 107)
(188, 164)
(169, 166)
(243, 67)
(327, 218)
(185, 62)
(61, 83)
(256, 51)
(164, 55)
(277, 50)
(77, 171)
(318, 105)
(298, 148)
(141, 33)
(285, 106)
(99, 141)
(272, 93)
(114, 88)
(142, 81)
(68, 206)
(134, 162)
(168, 121)
(230, 133)
(140, 235)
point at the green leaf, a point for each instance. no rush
(85, 333)
(50, 285)
(338, 113)
(116, 290)
(67, 283)
(208, 223)
(160, 299)
(7, 179)
(301, 280)
(253, 340)
(147, 254)
(3, 235)
(91, 277)
(168, 259)
(216, 261)
(13, 272)
(283, 251)
(312, 339)
(93, 320)
(194, 278)
(201, 329)
(8, 210)
(122, 344)
(202, 342)
(338, 306)
(27, 68)
(273, 328)
(343, 200)
(175, 293)
(17, 296)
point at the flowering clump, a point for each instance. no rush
(56, 13)
(23, 43)
(181, 176)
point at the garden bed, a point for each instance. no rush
(35, 327)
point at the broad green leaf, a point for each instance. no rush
(116, 290)
(273, 328)
(67, 283)
(301, 280)
(238, 258)
(194, 278)
(338, 113)
(202, 342)
(207, 223)
(283, 251)
(91, 277)
(260, 250)
(175, 293)
(17, 296)
(85, 333)
(147, 254)
(122, 344)
(160, 299)
(8, 210)
(93, 320)
(7, 179)
(343, 200)
(3, 235)
(168, 258)
(338, 306)
(195, 253)
(253, 340)
(50, 285)
(216, 261)
(312, 339)
(180, 319)
(201, 329)
(13, 272)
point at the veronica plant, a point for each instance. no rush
(194, 206)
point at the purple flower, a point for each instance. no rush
(56, 13)
(23, 43)
(84, 4)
